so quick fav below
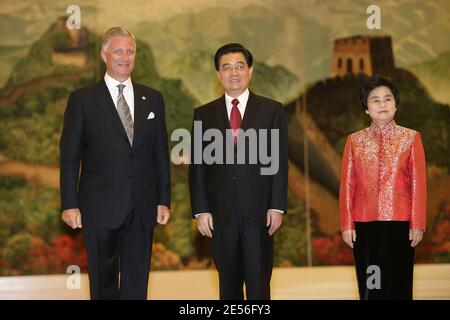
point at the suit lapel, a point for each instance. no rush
(221, 113)
(251, 111)
(105, 103)
(139, 113)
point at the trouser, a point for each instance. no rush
(243, 254)
(126, 250)
(384, 260)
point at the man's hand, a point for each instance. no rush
(205, 224)
(415, 235)
(163, 214)
(349, 237)
(72, 217)
(274, 220)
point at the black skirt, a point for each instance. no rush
(384, 260)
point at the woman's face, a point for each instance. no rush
(381, 105)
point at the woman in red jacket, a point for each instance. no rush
(383, 196)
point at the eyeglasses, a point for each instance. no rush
(239, 67)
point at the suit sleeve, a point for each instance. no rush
(71, 145)
(197, 182)
(347, 188)
(280, 179)
(161, 157)
(418, 184)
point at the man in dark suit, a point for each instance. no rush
(234, 202)
(116, 129)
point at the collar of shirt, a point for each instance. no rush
(243, 98)
(128, 92)
(387, 131)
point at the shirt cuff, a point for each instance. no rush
(200, 214)
(280, 211)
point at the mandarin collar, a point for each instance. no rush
(386, 130)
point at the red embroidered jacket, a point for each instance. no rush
(383, 177)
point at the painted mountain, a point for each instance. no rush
(435, 76)
(292, 44)
(294, 34)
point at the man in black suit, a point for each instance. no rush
(116, 129)
(235, 202)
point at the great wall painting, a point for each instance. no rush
(316, 58)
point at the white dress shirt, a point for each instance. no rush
(128, 92)
(243, 99)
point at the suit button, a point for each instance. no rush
(234, 178)
(131, 157)
(130, 176)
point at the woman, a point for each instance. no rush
(383, 196)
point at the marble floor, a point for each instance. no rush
(430, 282)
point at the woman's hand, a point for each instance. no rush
(415, 236)
(349, 237)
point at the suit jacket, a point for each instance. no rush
(115, 176)
(383, 177)
(218, 188)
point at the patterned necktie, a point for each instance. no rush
(125, 114)
(235, 119)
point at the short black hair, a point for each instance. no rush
(373, 82)
(232, 48)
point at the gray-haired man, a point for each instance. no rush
(116, 130)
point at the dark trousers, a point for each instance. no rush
(386, 245)
(126, 250)
(243, 253)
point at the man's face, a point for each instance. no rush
(234, 73)
(119, 57)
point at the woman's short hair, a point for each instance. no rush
(373, 82)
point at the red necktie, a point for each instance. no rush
(235, 118)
